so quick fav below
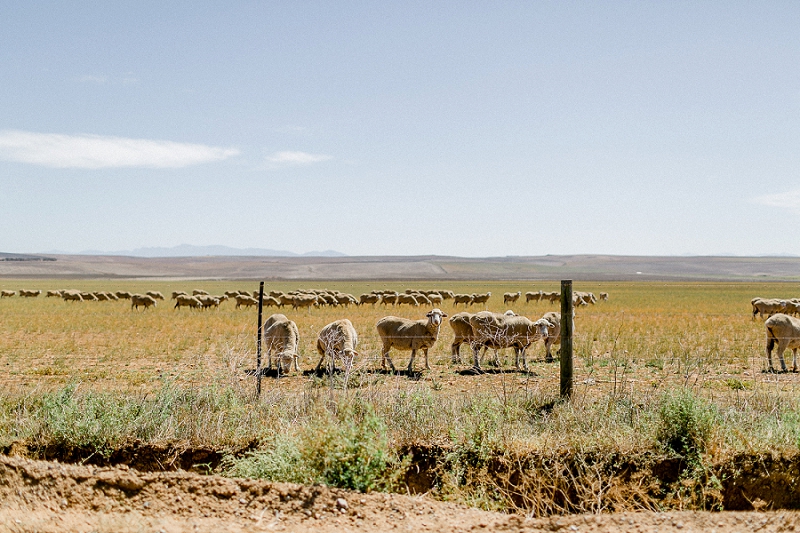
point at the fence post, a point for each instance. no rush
(566, 338)
(258, 338)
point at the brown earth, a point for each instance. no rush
(50, 496)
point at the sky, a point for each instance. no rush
(402, 128)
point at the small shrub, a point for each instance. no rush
(685, 425)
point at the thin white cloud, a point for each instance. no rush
(94, 151)
(787, 200)
(296, 158)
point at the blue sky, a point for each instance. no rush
(463, 128)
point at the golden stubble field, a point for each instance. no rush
(648, 336)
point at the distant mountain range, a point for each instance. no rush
(188, 250)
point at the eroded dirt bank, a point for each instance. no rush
(49, 496)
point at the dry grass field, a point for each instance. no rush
(671, 408)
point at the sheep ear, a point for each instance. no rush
(444, 315)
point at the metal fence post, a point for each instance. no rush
(566, 338)
(258, 338)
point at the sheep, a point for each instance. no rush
(88, 297)
(53, 294)
(199, 292)
(144, 300)
(422, 299)
(101, 296)
(436, 299)
(337, 340)
(7, 294)
(552, 297)
(511, 297)
(462, 333)
(269, 301)
(281, 336)
(503, 331)
(71, 296)
(465, 299)
(389, 298)
(286, 299)
(345, 299)
(405, 334)
(208, 301)
(553, 333)
(368, 299)
(785, 330)
(604, 296)
(480, 298)
(533, 296)
(767, 307)
(29, 294)
(175, 294)
(155, 295)
(246, 301)
(304, 301)
(792, 307)
(447, 295)
(276, 294)
(123, 295)
(407, 299)
(184, 300)
(587, 297)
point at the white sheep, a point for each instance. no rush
(785, 331)
(144, 300)
(511, 297)
(405, 334)
(281, 336)
(337, 340)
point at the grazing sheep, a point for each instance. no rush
(389, 298)
(792, 307)
(200, 292)
(587, 297)
(144, 300)
(405, 334)
(447, 295)
(29, 294)
(155, 295)
(436, 299)
(123, 295)
(422, 299)
(53, 294)
(72, 296)
(465, 299)
(281, 336)
(533, 296)
(306, 301)
(785, 331)
(503, 331)
(345, 299)
(511, 297)
(101, 296)
(7, 294)
(769, 307)
(552, 297)
(175, 294)
(245, 301)
(337, 340)
(480, 298)
(604, 296)
(208, 301)
(184, 300)
(407, 299)
(88, 297)
(269, 301)
(369, 299)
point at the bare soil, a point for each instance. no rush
(50, 496)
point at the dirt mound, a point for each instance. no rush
(49, 496)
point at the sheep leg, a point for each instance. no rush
(319, 365)
(427, 366)
(548, 358)
(411, 361)
(476, 350)
(794, 359)
(455, 349)
(296, 358)
(387, 358)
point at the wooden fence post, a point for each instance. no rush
(258, 338)
(566, 338)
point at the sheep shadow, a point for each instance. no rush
(472, 371)
(773, 371)
(267, 373)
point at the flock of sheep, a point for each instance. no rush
(338, 341)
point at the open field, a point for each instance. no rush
(673, 409)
